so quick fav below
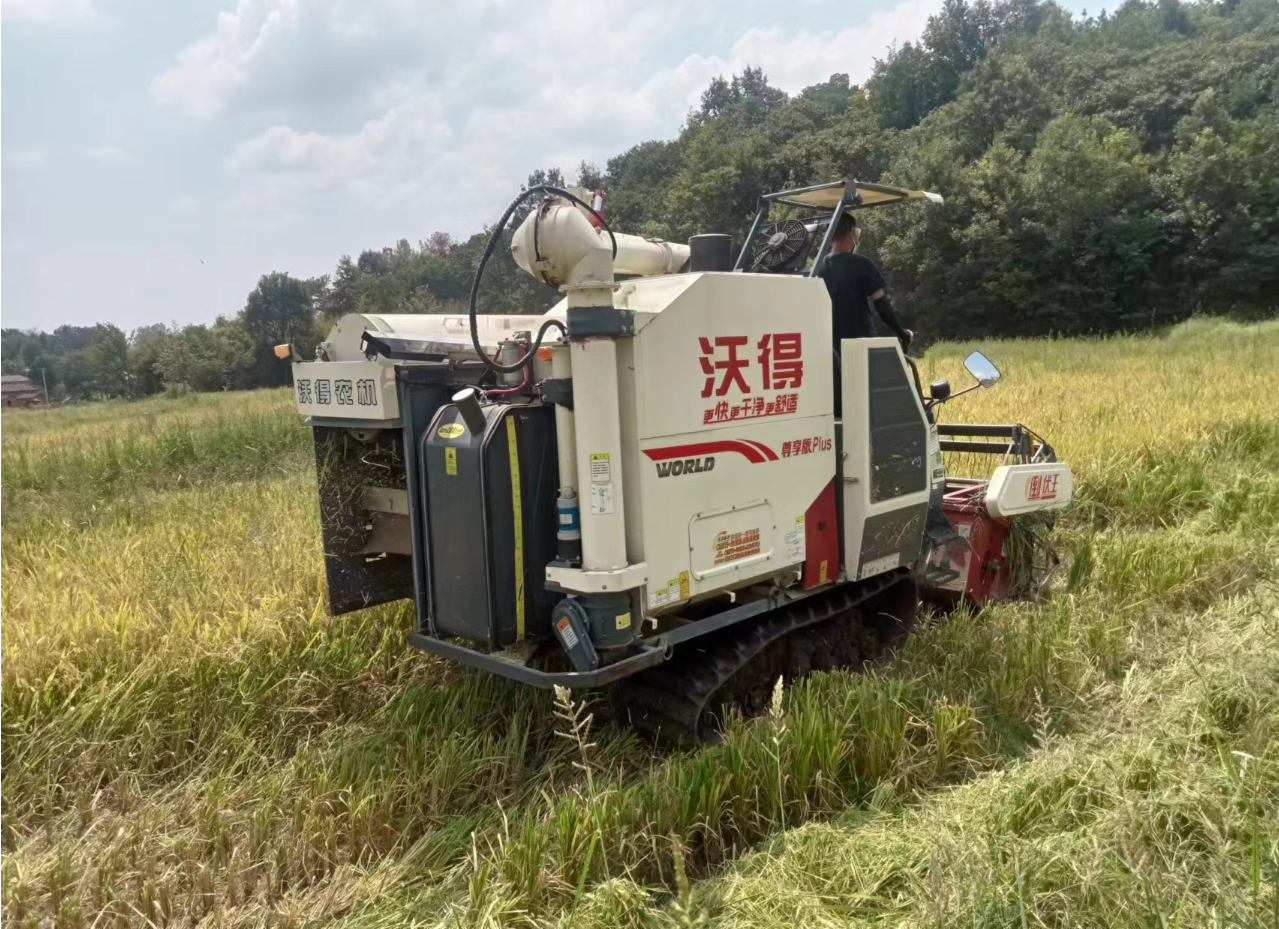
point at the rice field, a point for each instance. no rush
(189, 738)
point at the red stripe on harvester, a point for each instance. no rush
(768, 452)
(742, 447)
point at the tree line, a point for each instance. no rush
(232, 353)
(1109, 174)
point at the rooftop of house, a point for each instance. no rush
(16, 383)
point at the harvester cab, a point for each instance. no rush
(659, 494)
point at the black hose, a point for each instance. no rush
(484, 260)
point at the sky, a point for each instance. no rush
(158, 156)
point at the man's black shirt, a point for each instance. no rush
(850, 280)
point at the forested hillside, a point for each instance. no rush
(1101, 175)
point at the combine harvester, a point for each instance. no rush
(659, 496)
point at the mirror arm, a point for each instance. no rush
(966, 390)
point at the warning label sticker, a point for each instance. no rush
(601, 469)
(566, 631)
(674, 590)
(624, 621)
(734, 546)
(602, 499)
(450, 460)
(795, 542)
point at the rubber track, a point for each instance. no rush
(679, 701)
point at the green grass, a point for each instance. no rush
(189, 737)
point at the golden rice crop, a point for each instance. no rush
(189, 737)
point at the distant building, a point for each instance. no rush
(19, 391)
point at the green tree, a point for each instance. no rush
(1223, 173)
(636, 183)
(217, 357)
(342, 296)
(280, 309)
(145, 342)
(100, 366)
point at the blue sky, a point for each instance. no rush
(159, 155)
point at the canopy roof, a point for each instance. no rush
(828, 196)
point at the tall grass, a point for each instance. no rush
(61, 463)
(189, 737)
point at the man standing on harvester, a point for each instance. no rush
(854, 284)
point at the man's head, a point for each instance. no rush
(846, 235)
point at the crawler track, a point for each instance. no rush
(686, 699)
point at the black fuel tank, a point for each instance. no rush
(491, 522)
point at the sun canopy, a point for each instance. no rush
(828, 196)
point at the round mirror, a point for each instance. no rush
(982, 368)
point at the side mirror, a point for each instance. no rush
(939, 390)
(983, 369)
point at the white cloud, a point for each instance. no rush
(48, 11)
(793, 60)
(108, 154)
(452, 129)
(468, 120)
(270, 49)
(207, 72)
(184, 204)
(26, 157)
(413, 123)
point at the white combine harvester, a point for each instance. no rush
(662, 495)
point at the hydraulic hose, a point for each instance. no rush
(484, 260)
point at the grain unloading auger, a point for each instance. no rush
(661, 496)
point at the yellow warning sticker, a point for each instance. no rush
(624, 621)
(667, 593)
(672, 591)
(823, 573)
(601, 469)
(451, 430)
(450, 460)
